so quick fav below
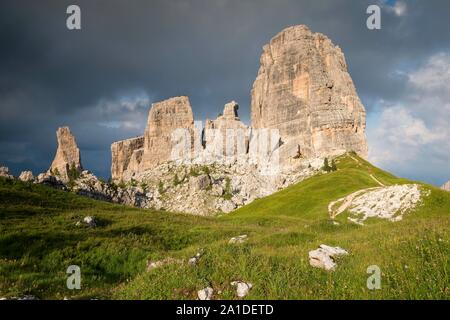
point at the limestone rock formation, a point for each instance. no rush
(126, 157)
(26, 176)
(67, 155)
(446, 186)
(303, 89)
(304, 108)
(164, 119)
(4, 172)
(227, 135)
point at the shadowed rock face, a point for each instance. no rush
(126, 155)
(67, 155)
(164, 118)
(304, 90)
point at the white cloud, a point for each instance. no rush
(417, 128)
(434, 76)
(127, 113)
(399, 8)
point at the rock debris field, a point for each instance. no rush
(390, 202)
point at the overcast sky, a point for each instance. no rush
(101, 80)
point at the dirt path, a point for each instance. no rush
(377, 181)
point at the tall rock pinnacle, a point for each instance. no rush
(304, 90)
(67, 155)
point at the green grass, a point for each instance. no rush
(39, 240)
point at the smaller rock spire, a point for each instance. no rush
(230, 110)
(67, 156)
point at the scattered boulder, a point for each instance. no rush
(217, 190)
(90, 221)
(47, 179)
(151, 265)
(28, 297)
(239, 239)
(194, 260)
(26, 176)
(205, 294)
(201, 182)
(325, 257)
(4, 172)
(226, 206)
(242, 288)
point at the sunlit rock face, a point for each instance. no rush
(67, 155)
(304, 108)
(226, 136)
(164, 119)
(126, 157)
(303, 89)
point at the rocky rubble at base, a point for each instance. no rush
(388, 202)
(195, 189)
(217, 187)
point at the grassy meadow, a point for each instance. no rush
(39, 240)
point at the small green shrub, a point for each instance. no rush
(227, 195)
(161, 188)
(176, 180)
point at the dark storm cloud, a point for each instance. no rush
(208, 50)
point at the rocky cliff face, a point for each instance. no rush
(446, 186)
(303, 89)
(227, 135)
(67, 155)
(164, 119)
(304, 108)
(126, 157)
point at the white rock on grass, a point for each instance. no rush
(194, 260)
(238, 239)
(325, 257)
(28, 297)
(161, 263)
(242, 288)
(390, 203)
(90, 221)
(205, 294)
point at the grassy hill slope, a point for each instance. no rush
(39, 240)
